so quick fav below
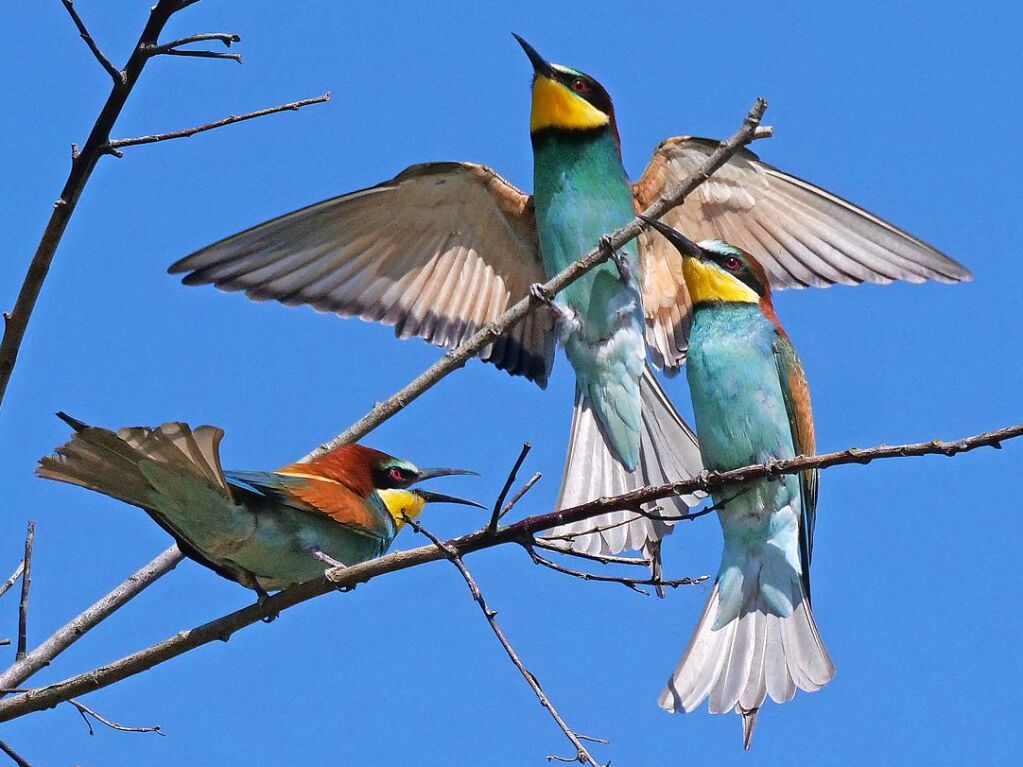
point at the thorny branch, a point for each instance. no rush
(222, 628)
(83, 163)
(582, 754)
(750, 130)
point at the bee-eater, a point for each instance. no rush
(443, 248)
(756, 636)
(264, 529)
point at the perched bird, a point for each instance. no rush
(443, 248)
(264, 529)
(756, 636)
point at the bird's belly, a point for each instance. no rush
(280, 553)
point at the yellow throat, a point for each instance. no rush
(708, 282)
(555, 106)
(401, 504)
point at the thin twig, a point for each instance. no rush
(227, 38)
(4, 642)
(26, 584)
(495, 516)
(86, 712)
(469, 348)
(6, 585)
(223, 627)
(582, 755)
(114, 72)
(196, 54)
(113, 146)
(605, 559)
(520, 493)
(15, 757)
(631, 583)
(75, 629)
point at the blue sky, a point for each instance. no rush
(912, 111)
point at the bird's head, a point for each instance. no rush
(565, 99)
(393, 480)
(716, 272)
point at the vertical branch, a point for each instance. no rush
(26, 583)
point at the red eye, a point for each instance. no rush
(732, 264)
(580, 86)
(395, 474)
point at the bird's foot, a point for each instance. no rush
(619, 260)
(261, 597)
(540, 293)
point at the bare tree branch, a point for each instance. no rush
(76, 628)
(18, 760)
(113, 146)
(520, 493)
(631, 583)
(173, 48)
(82, 165)
(86, 712)
(547, 544)
(495, 516)
(582, 754)
(114, 72)
(6, 585)
(26, 584)
(518, 532)
(456, 358)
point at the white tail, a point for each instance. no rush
(750, 657)
(668, 453)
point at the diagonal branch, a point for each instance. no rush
(222, 628)
(15, 757)
(114, 72)
(582, 754)
(18, 571)
(456, 358)
(76, 628)
(495, 515)
(114, 145)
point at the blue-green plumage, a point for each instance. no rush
(581, 192)
(742, 418)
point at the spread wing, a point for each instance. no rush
(802, 235)
(437, 252)
(797, 403)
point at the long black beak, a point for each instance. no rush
(431, 497)
(431, 473)
(540, 65)
(683, 244)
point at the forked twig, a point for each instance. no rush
(86, 712)
(495, 516)
(582, 754)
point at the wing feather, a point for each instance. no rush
(436, 252)
(804, 236)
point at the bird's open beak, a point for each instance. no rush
(683, 244)
(431, 497)
(540, 65)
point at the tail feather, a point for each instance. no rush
(109, 463)
(755, 655)
(668, 453)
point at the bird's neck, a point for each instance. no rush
(579, 154)
(401, 505)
